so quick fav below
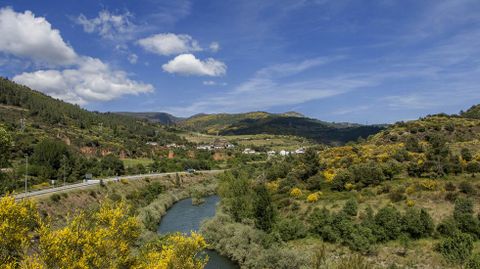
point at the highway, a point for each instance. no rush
(95, 182)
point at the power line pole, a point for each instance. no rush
(26, 175)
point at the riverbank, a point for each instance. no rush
(149, 197)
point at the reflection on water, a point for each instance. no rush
(184, 217)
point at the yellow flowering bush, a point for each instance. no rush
(178, 252)
(105, 238)
(329, 175)
(17, 220)
(429, 184)
(349, 186)
(295, 192)
(272, 186)
(313, 197)
(410, 203)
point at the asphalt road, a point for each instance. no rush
(91, 183)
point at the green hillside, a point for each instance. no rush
(33, 116)
(279, 124)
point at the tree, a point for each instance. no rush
(112, 165)
(49, 155)
(5, 146)
(311, 162)
(417, 223)
(264, 211)
(236, 194)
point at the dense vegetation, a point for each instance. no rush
(363, 196)
(279, 124)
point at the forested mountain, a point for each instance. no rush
(290, 123)
(157, 117)
(33, 116)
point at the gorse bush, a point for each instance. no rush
(106, 238)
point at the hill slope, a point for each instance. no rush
(473, 112)
(289, 123)
(32, 116)
(156, 117)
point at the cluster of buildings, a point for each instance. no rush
(273, 153)
(217, 145)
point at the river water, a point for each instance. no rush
(184, 217)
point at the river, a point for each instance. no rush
(184, 217)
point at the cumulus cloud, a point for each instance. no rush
(93, 80)
(108, 25)
(133, 58)
(85, 79)
(188, 64)
(169, 44)
(214, 46)
(26, 36)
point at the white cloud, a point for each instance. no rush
(169, 44)
(133, 58)
(213, 83)
(92, 81)
(188, 64)
(214, 46)
(108, 25)
(26, 36)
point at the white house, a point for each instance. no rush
(248, 151)
(300, 151)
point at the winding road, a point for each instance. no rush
(95, 182)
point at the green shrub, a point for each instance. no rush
(463, 206)
(447, 227)
(456, 248)
(473, 262)
(55, 197)
(417, 223)
(351, 207)
(290, 229)
(467, 188)
(389, 222)
(450, 186)
(451, 196)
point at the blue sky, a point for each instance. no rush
(339, 60)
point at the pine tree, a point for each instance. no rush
(264, 210)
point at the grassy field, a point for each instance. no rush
(134, 162)
(273, 142)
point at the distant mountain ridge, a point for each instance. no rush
(289, 123)
(156, 117)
